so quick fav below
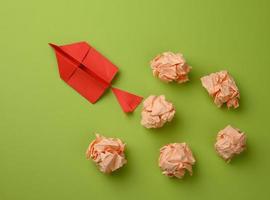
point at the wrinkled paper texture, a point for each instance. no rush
(107, 153)
(175, 159)
(229, 142)
(170, 67)
(222, 88)
(156, 112)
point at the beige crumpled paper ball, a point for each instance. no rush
(230, 142)
(170, 67)
(175, 159)
(156, 112)
(107, 153)
(222, 88)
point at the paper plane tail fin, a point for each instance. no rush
(127, 101)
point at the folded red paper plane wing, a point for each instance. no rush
(87, 83)
(90, 73)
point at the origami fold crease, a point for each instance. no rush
(90, 73)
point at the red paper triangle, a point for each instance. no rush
(65, 66)
(127, 101)
(89, 87)
(100, 65)
(77, 50)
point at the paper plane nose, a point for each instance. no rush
(53, 45)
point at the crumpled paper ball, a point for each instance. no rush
(222, 88)
(156, 112)
(107, 153)
(175, 159)
(230, 142)
(170, 67)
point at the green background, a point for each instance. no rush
(45, 126)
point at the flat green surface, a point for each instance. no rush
(45, 126)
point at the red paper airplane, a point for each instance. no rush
(90, 73)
